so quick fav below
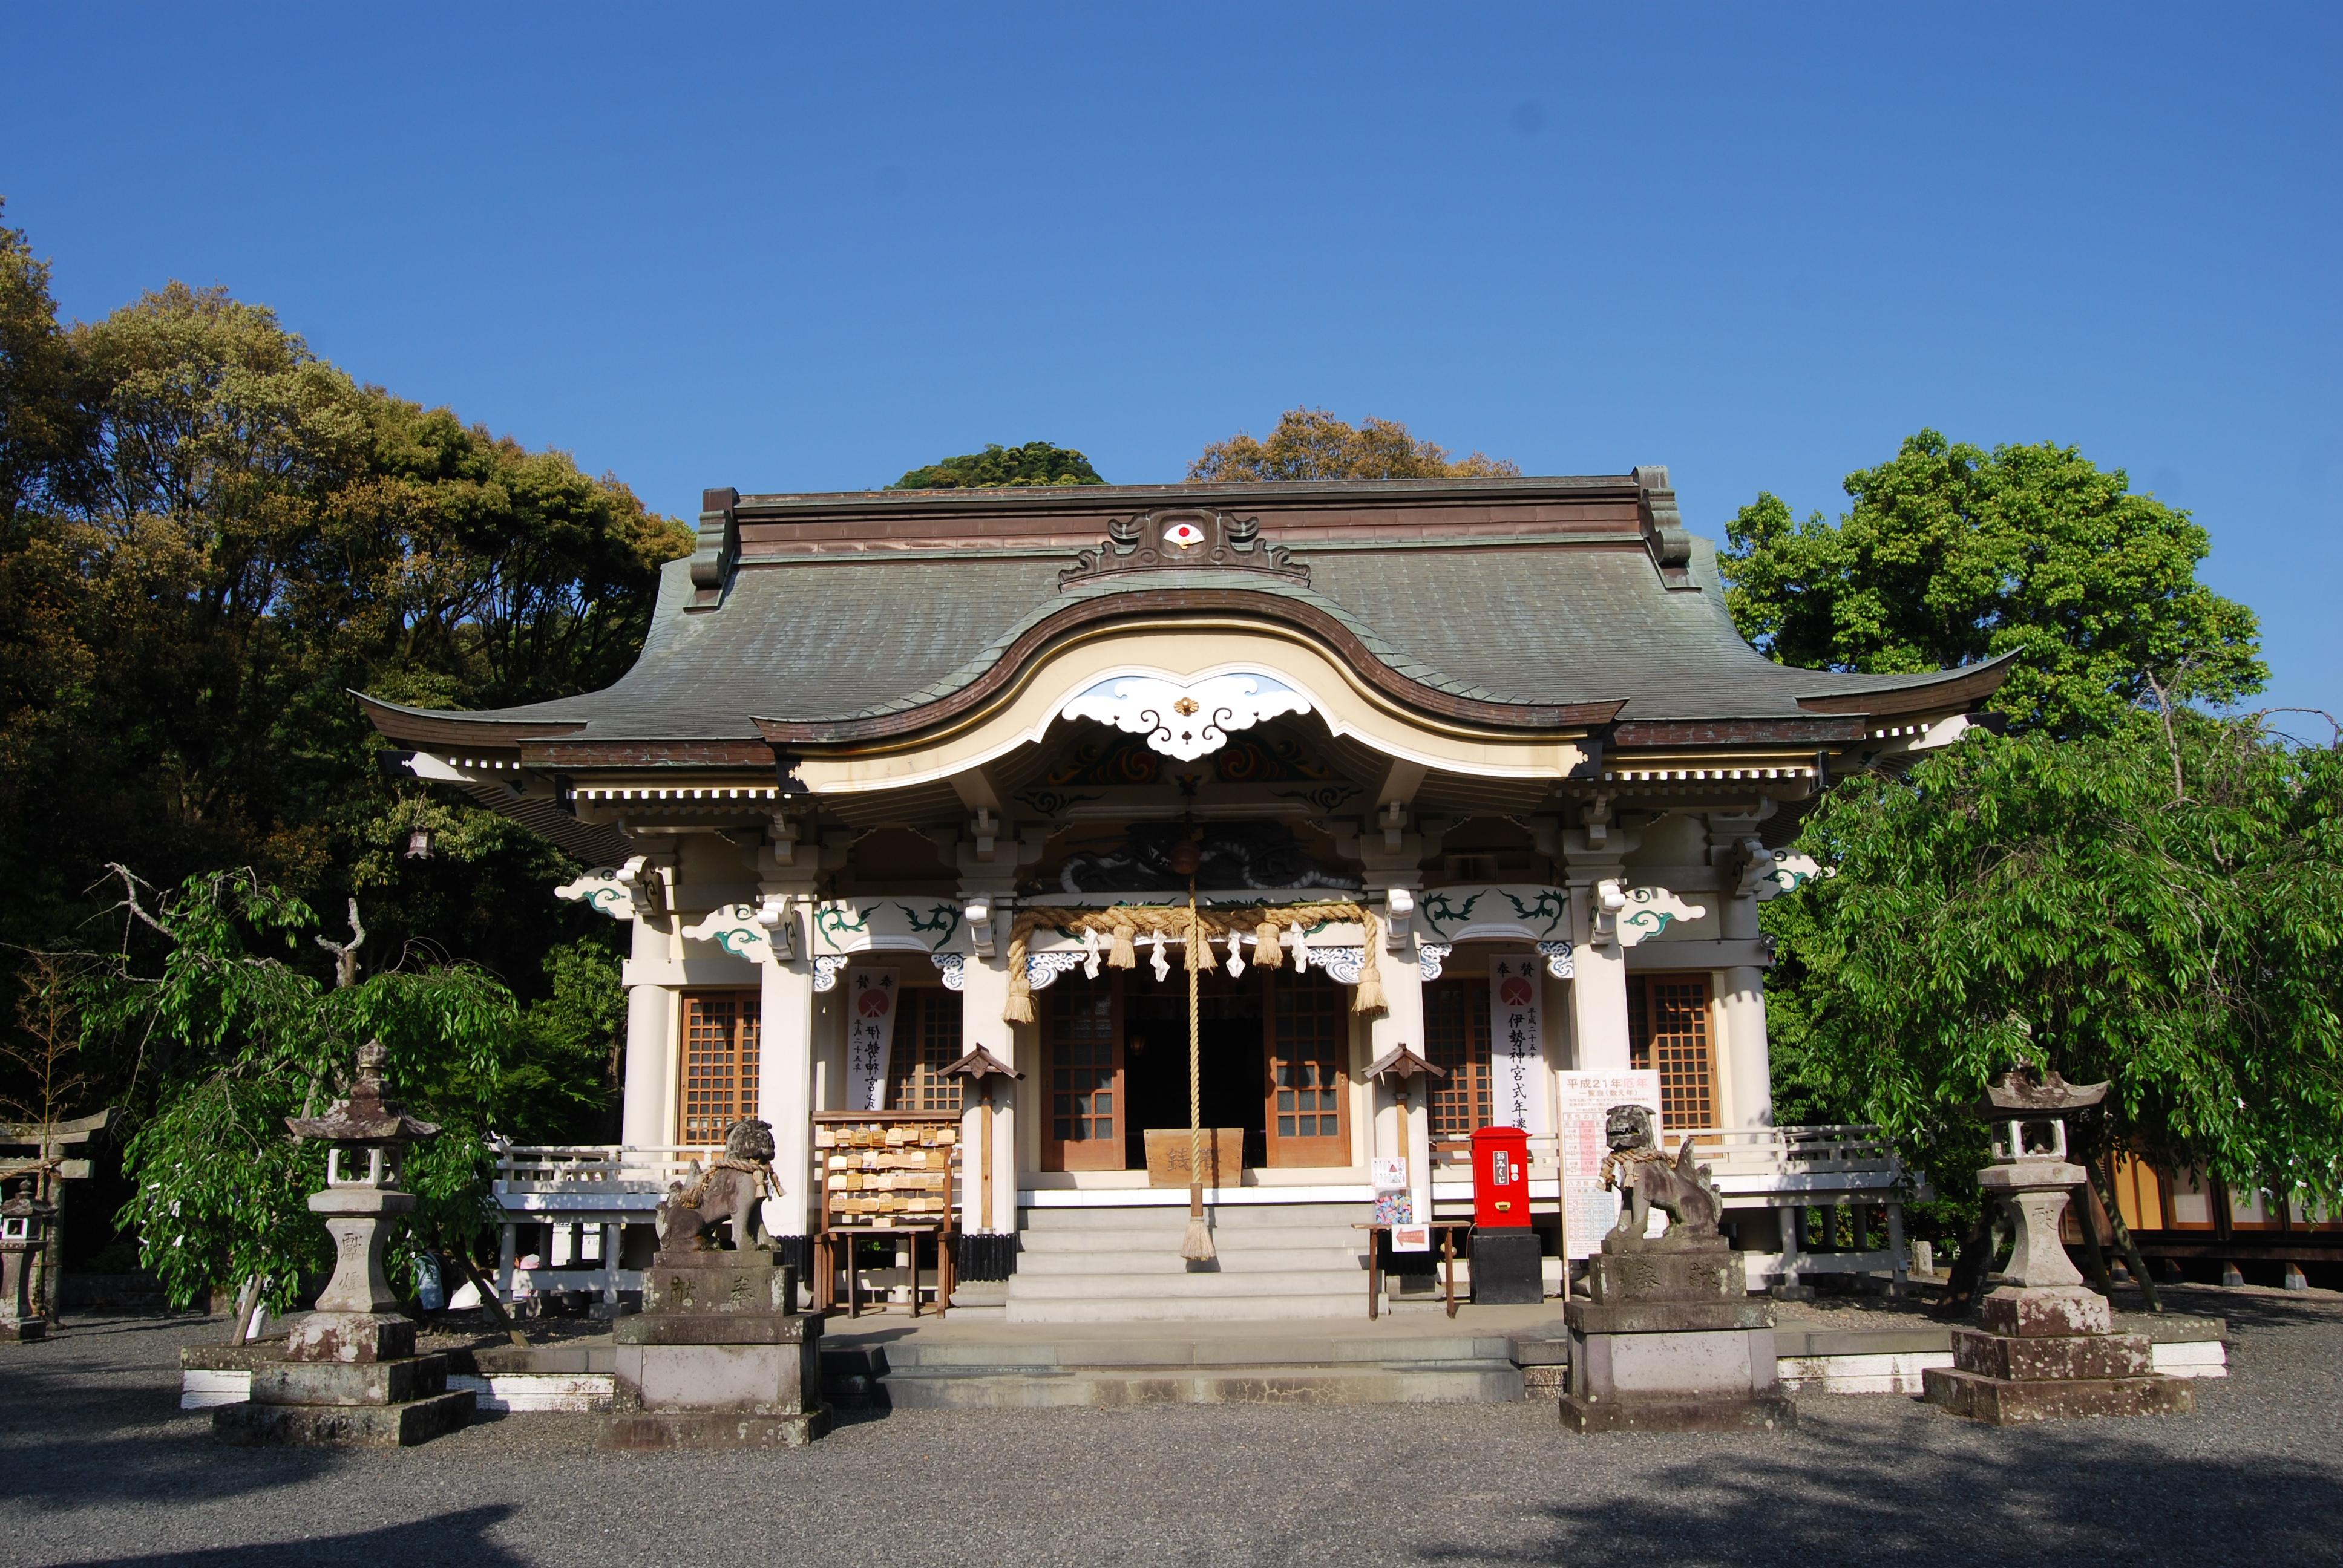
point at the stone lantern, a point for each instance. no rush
(24, 1232)
(2047, 1346)
(350, 1375)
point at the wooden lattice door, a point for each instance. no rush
(719, 1066)
(1667, 1029)
(1084, 1123)
(1309, 1037)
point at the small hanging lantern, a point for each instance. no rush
(418, 843)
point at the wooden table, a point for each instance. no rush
(1377, 1230)
(825, 1263)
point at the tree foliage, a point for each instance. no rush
(997, 467)
(2062, 901)
(1312, 443)
(240, 1038)
(1951, 555)
(208, 537)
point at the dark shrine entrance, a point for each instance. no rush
(1271, 1049)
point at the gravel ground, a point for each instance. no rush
(98, 1465)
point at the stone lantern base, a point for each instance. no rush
(2048, 1353)
(351, 1380)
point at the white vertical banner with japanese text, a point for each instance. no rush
(1587, 1210)
(870, 1037)
(1517, 1073)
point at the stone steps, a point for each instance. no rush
(1258, 1364)
(1106, 1264)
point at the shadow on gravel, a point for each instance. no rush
(458, 1537)
(1953, 1493)
(67, 1438)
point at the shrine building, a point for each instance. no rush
(1471, 779)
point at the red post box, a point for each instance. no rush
(1501, 1177)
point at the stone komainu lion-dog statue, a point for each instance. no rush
(733, 1189)
(1649, 1179)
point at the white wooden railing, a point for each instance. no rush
(1789, 1161)
(590, 1169)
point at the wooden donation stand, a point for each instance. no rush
(1169, 1148)
(884, 1173)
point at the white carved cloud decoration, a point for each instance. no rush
(1185, 722)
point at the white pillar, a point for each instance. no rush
(651, 1052)
(983, 993)
(1403, 1024)
(785, 1089)
(1748, 1069)
(1598, 988)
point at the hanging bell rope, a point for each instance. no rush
(1197, 928)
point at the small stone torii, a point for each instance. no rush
(48, 1168)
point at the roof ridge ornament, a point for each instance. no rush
(1184, 538)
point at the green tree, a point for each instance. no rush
(1034, 463)
(208, 537)
(1951, 555)
(2164, 915)
(239, 1039)
(1312, 443)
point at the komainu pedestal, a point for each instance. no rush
(717, 1357)
(1670, 1341)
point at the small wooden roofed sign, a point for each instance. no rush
(1399, 1064)
(978, 1065)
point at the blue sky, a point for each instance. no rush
(809, 249)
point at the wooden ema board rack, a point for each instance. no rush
(887, 1168)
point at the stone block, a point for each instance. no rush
(1667, 1317)
(1506, 1271)
(22, 1330)
(351, 1337)
(342, 1425)
(1664, 1273)
(642, 1430)
(1768, 1413)
(769, 1378)
(2000, 1402)
(2023, 1312)
(1716, 1363)
(718, 1329)
(717, 1283)
(350, 1383)
(2042, 1356)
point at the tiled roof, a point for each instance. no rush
(818, 637)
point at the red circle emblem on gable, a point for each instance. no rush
(1515, 991)
(873, 1004)
(1183, 536)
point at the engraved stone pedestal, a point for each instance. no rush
(350, 1377)
(717, 1357)
(1671, 1343)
